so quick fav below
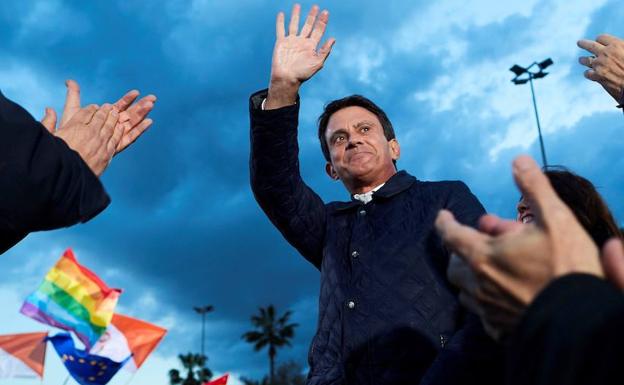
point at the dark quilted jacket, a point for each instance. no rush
(387, 314)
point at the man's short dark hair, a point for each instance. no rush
(351, 101)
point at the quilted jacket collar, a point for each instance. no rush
(397, 183)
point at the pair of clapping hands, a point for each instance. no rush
(97, 133)
(502, 266)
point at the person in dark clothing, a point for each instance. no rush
(570, 335)
(547, 279)
(387, 315)
(49, 177)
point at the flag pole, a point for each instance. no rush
(66, 379)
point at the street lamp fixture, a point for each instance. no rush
(525, 75)
(545, 64)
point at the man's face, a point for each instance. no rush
(360, 154)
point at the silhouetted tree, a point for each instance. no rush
(196, 371)
(270, 331)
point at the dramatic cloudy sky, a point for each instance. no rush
(183, 228)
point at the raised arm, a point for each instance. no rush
(296, 210)
(295, 56)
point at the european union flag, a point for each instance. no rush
(87, 369)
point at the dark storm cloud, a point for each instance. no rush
(183, 224)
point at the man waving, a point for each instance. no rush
(387, 314)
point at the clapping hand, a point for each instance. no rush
(501, 267)
(606, 65)
(95, 141)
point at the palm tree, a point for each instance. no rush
(190, 362)
(272, 332)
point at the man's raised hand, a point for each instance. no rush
(295, 56)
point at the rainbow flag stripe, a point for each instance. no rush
(73, 298)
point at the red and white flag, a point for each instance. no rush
(22, 355)
(127, 336)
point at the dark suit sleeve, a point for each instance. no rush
(43, 183)
(573, 333)
(471, 356)
(296, 210)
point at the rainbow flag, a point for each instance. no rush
(73, 298)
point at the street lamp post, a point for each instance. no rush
(203, 310)
(530, 75)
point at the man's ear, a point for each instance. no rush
(329, 169)
(395, 149)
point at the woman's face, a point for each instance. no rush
(524, 211)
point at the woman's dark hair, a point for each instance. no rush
(351, 101)
(580, 195)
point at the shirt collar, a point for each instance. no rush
(367, 196)
(397, 183)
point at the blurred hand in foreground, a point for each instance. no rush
(502, 266)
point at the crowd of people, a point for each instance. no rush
(418, 283)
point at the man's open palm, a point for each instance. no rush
(295, 56)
